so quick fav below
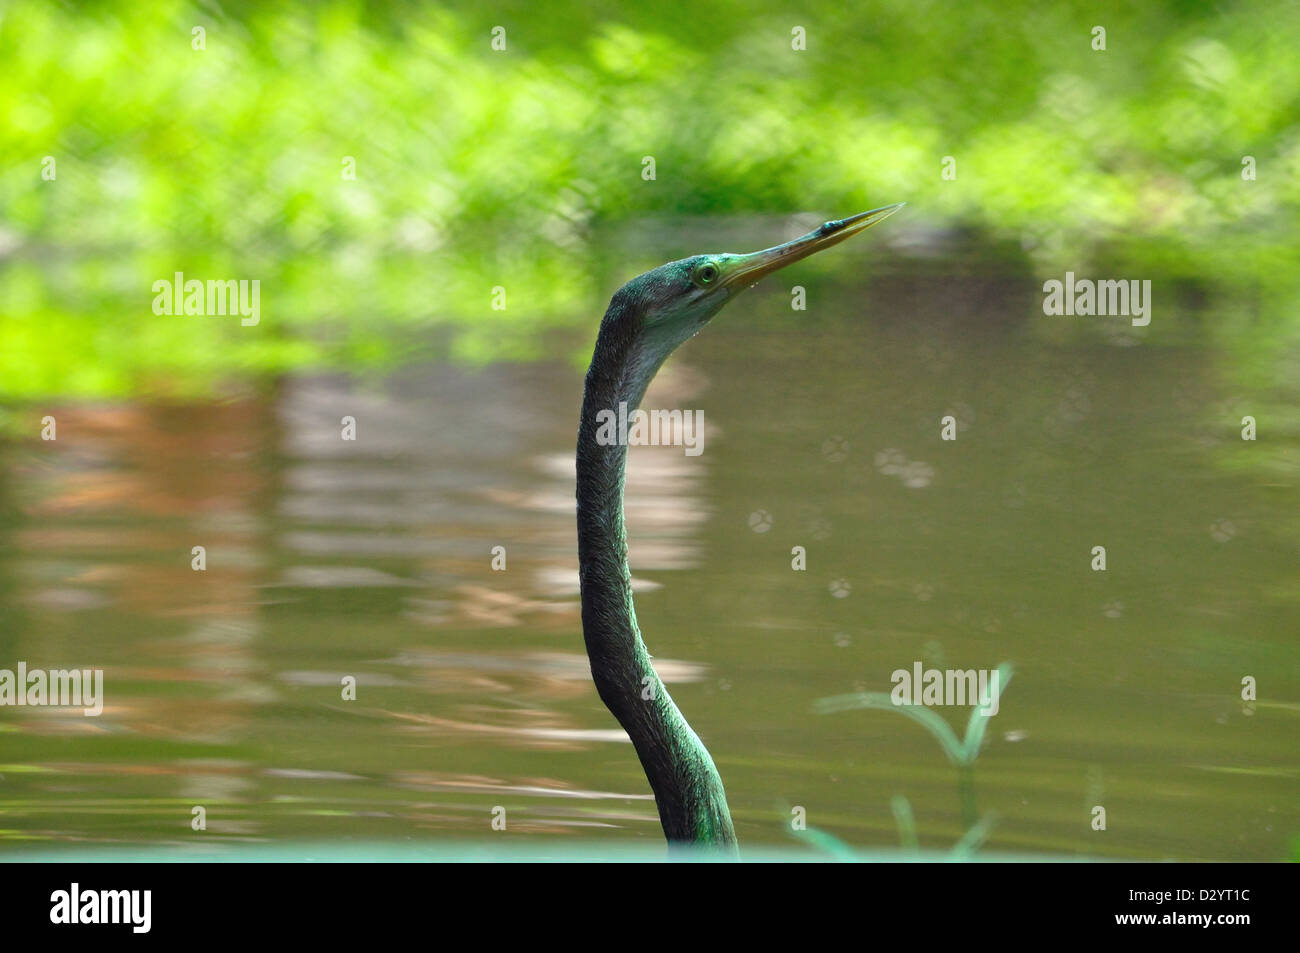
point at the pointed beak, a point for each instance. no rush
(745, 270)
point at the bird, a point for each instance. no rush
(648, 318)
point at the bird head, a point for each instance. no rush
(666, 306)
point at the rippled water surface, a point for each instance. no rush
(372, 559)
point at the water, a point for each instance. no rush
(372, 559)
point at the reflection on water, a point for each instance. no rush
(372, 558)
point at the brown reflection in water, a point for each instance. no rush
(109, 514)
(446, 461)
(446, 464)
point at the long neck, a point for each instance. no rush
(686, 785)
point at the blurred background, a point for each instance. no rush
(1171, 156)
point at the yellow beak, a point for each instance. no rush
(745, 270)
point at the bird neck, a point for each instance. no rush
(687, 787)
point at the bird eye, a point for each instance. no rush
(706, 273)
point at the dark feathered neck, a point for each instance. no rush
(688, 791)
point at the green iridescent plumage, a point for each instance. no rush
(648, 318)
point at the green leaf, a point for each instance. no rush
(979, 719)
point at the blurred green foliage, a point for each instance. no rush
(477, 167)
